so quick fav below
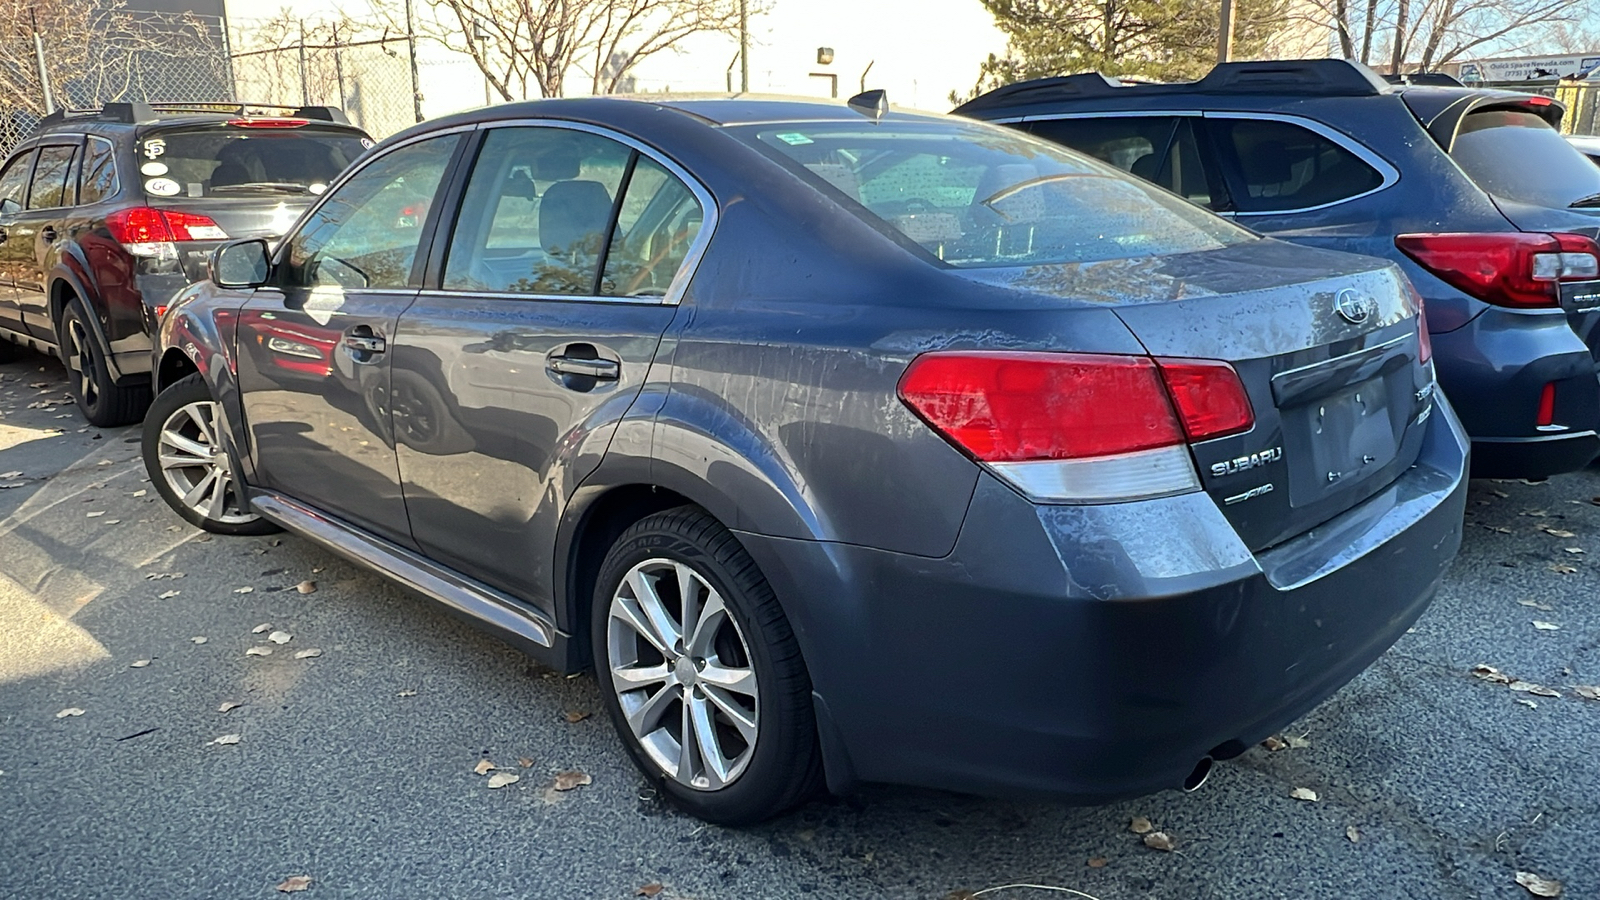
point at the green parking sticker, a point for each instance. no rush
(794, 138)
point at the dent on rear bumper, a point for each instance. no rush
(1094, 652)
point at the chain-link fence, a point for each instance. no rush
(370, 79)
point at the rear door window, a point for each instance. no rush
(236, 161)
(53, 181)
(99, 178)
(1283, 167)
(1518, 156)
(1162, 149)
(14, 184)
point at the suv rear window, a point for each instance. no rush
(977, 195)
(234, 161)
(1516, 155)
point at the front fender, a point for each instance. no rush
(201, 326)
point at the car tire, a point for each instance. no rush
(103, 402)
(187, 462)
(760, 765)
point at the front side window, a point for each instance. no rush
(14, 183)
(1518, 156)
(99, 179)
(535, 213)
(1279, 166)
(366, 235)
(52, 178)
(977, 195)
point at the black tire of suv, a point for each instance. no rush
(190, 389)
(785, 768)
(106, 404)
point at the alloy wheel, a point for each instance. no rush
(81, 360)
(196, 467)
(683, 675)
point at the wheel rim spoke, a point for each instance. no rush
(712, 615)
(628, 612)
(712, 764)
(729, 678)
(188, 445)
(644, 593)
(647, 717)
(735, 714)
(637, 677)
(191, 498)
(216, 506)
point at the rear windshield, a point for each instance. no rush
(1518, 156)
(233, 161)
(977, 195)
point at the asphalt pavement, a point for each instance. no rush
(356, 767)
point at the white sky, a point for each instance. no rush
(920, 50)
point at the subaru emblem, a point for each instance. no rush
(1352, 307)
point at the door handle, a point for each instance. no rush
(48, 233)
(365, 343)
(603, 369)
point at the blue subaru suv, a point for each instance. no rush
(1472, 191)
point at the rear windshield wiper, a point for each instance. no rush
(286, 186)
(1589, 202)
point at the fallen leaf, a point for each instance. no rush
(1490, 674)
(306, 587)
(1573, 549)
(103, 462)
(566, 781)
(1158, 840)
(1556, 532)
(1298, 742)
(1587, 691)
(1528, 703)
(258, 651)
(168, 595)
(576, 715)
(1528, 687)
(1534, 604)
(406, 694)
(295, 883)
(139, 664)
(527, 763)
(69, 711)
(198, 639)
(244, 590)
(1537, 886)
(1563, 569)
(309, 653)
(501, 779)
(1306, 794)
(1536, 513)
(227, 705)
(649, 890)
(1097, 862)
(280, 637)
(483, 767)
(226, 739)
(260, 628)
(1275, 743)
(1140, 825)
(1546, 626)
(139, 493)
(10, 475)
(1353, 833)
(95, 515)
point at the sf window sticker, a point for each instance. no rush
(154, 147)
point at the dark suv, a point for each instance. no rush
(1472, 191)
(104, 214)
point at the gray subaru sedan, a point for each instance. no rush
(844, 445)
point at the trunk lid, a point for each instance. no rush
(1338, 397)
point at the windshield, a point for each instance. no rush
(1518, 156)
(976, 195)
(233, 161)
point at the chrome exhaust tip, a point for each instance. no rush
(1202, 771)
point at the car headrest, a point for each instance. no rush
(573, 214)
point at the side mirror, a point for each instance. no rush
(241, 265)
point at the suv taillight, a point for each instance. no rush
(144, 231)
(1078, 427)
(1516, 269)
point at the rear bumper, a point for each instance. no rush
(1494, 370)
(1096, 652)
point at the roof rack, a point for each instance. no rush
(139, 113)
(1425, 79)
(1302, 77)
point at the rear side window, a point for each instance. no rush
(99, 179)
(1162, 149)
(1518, 156)
(235, 161)
(52, 178)
(976, 195)
(14, 183)
(1279, 167)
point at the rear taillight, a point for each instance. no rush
(1078, 427)
(1518, 270)
(144, 231)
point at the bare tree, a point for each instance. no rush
(539, 44)
(1426, 34)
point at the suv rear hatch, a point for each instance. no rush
(248, 176)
